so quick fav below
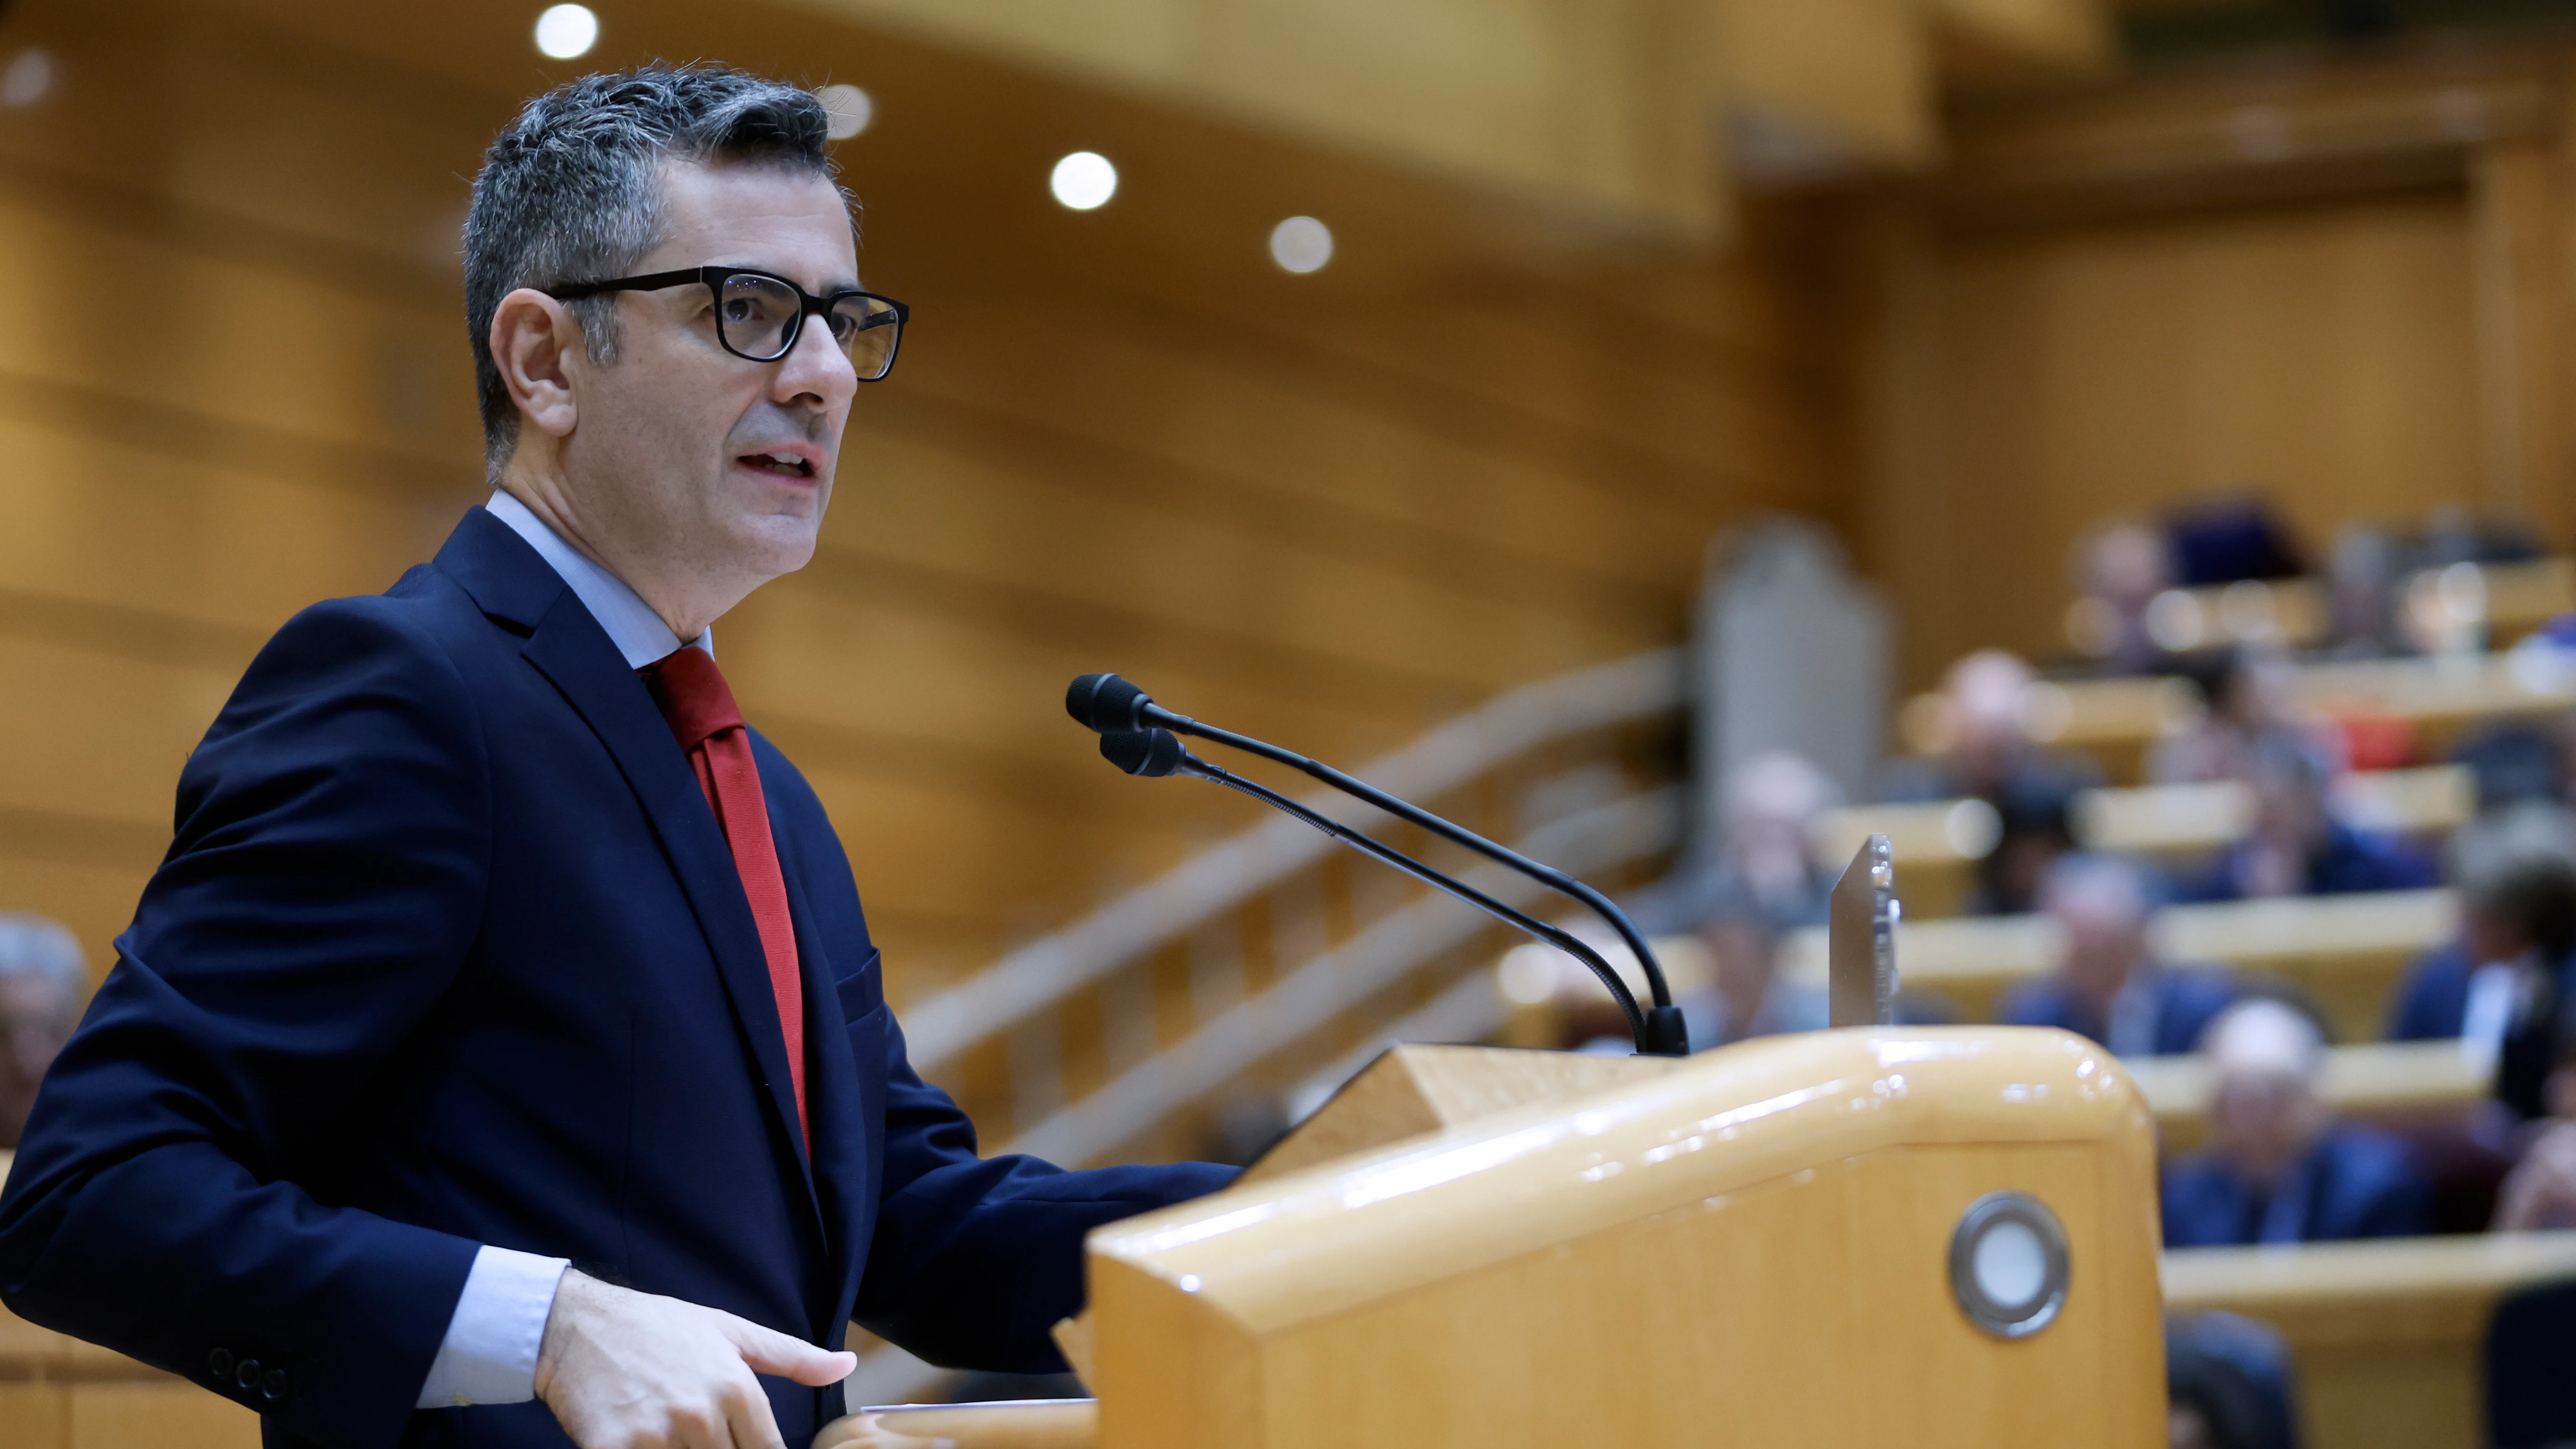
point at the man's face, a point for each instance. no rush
(687, 457)
(2264, 1120)
(2104, 941)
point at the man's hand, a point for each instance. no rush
(628, 1370)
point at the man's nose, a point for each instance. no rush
(815, 372)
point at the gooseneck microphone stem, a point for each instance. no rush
(1458, 835)
(1138, 736)
(1192, 765)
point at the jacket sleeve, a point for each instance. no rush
(325, 883)
(975, 1259)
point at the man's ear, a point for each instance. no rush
(536, 341)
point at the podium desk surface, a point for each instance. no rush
(2386, 1335)
(1018, 1424)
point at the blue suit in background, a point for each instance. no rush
(2357, 1182)
(2348, 861)
(2185, 1000)
(450, 950)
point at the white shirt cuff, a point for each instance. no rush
(490, 1353)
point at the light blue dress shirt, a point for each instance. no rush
(490, 1353)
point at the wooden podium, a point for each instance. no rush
(1874, 1235)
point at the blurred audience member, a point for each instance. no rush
(2119, 570)
(2515, 762)
(2502, 983)
(1746, 995)
(2223, 540)
(2108, 986)
(2280, 1168)
(1768, 844)
(2540, 1193)
(42, 986)
(2296, 845)
(1989, 753)
(2361, 582)
(2035, 816)
(2247, 692)
(2227, 1380)
(1764, 858)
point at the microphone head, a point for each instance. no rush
(1143, 752)
(1106, 703)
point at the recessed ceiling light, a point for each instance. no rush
(850, 107)
(566, 31)
(1301, 244)
(1084, 180)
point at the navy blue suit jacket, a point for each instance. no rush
(2433, 1002)
(2349, 861)
(2186, 1001)
(2359, 1183)
(449, 950)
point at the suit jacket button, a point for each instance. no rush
(273, 1387)
(246, 1374)
(220, 1364)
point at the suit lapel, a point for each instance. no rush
(510, 580)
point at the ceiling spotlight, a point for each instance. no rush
(1084, 180)
(850, 108)
(29, 78)
(566, 31)
(1301, 244)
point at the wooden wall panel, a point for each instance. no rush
(2322, 355)
(1485, 445)
(2341, 281)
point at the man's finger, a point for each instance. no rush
(747, 1413)
(771, 1352)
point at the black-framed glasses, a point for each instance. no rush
(760, 314)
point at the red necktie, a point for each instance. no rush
(708, 725)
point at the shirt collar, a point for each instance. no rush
(632, 626)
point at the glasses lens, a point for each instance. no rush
(866, 328)
(757, 315)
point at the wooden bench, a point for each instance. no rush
(2387, 1335)
(2348, 951)
(2117, 720)
(2396, 1084)
(1938, 843)
(61, 1393)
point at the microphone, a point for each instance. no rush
(1157, 752)
(1109, 704)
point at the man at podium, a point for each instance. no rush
(499, 1053)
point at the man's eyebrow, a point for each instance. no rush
(844, 284)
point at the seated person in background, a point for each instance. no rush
(2501, 983)
(1746, 996)
(2228, 1381)
(1987, 752)
(2035, 826)
(2297, 846)
(2539, 1195)
(2247, 691)
(2107, 986)
(1765, 856)
(2279, 1167)
(42, 985)
(2121, 567)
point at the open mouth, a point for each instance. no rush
(780, 465)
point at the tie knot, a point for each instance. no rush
(692, 695)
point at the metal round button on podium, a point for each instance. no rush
(2008, 1266)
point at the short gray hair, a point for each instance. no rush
(30, 945)
(570, 192)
